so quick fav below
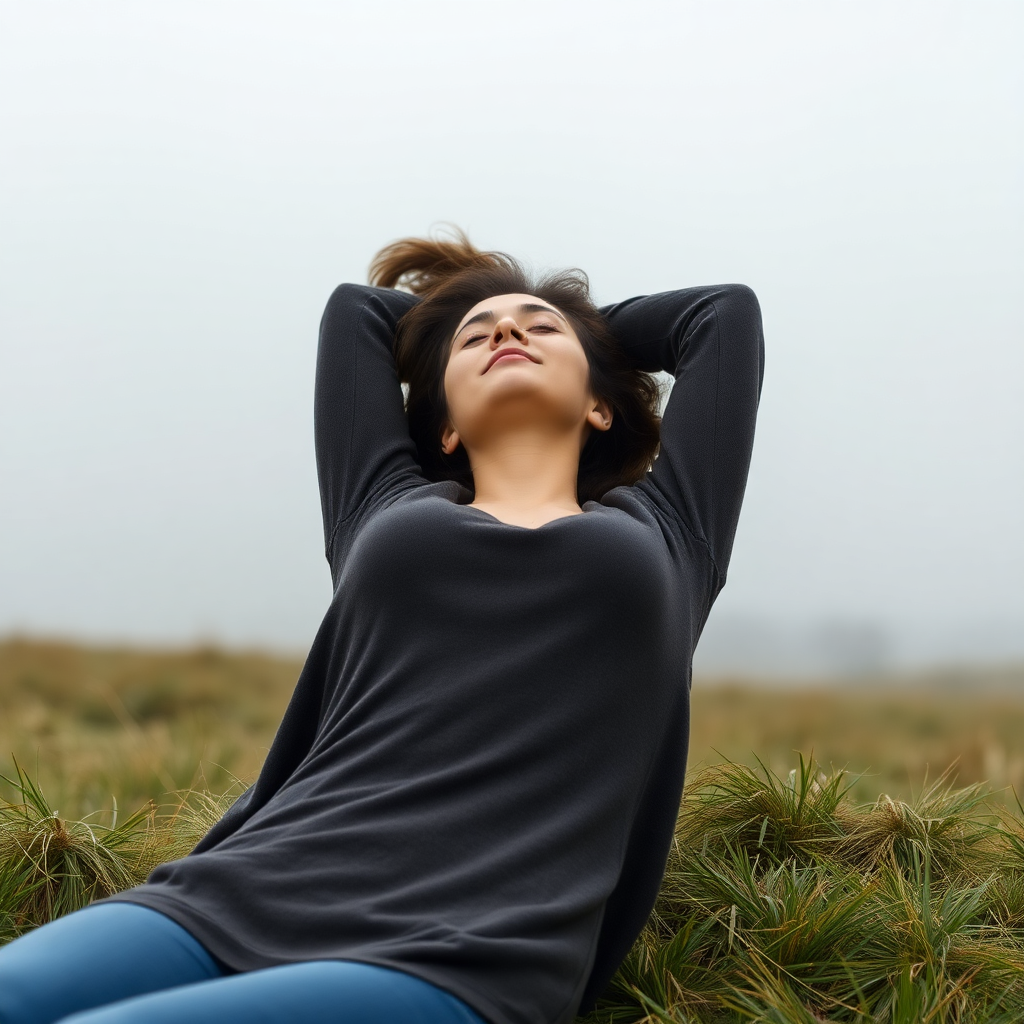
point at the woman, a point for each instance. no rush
(468, 806)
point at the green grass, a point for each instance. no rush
(796, 891)
(50, 866)
(786, 901)
(783, 900)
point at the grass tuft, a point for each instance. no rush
(51, 866)
(952, 827)
(800, 816)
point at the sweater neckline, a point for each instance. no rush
(516, 526)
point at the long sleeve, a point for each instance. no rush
(711, 340)
(363, 447)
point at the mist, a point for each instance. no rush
(183, 186)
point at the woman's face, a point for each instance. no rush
(515, 361)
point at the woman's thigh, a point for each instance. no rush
(106, 952)
(312, 992)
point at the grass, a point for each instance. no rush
(783, 900)
(796, 890)
(91, 723)
(786, 901)
(50, 866)
(94, 723)
(893, 733)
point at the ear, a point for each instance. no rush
(449, 440)
(600, 417)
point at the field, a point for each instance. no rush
(796, 892)
(93, 724)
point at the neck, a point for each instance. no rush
(527, 476)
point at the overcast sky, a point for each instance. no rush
(182, 185)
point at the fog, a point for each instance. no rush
(182, 186)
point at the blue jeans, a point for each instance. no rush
(120, 963)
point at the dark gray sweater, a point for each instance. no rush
(478, 774)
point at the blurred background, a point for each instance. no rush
(182, 186)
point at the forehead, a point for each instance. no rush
(498, 306)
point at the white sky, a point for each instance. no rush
(182, 185)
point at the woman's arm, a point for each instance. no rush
(363, 445)
(711, 340)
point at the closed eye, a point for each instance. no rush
(535, 327)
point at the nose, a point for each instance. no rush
(507, 328)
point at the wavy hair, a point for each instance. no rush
(452, 276)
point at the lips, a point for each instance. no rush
(509, 353)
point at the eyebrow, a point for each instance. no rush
(526, 307)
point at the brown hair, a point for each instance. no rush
(453, 276)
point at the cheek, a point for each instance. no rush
(455, 385)
(578, 369)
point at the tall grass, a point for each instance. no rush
(794, 893)
(783, 899)
(93, 722)
(50, 866)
